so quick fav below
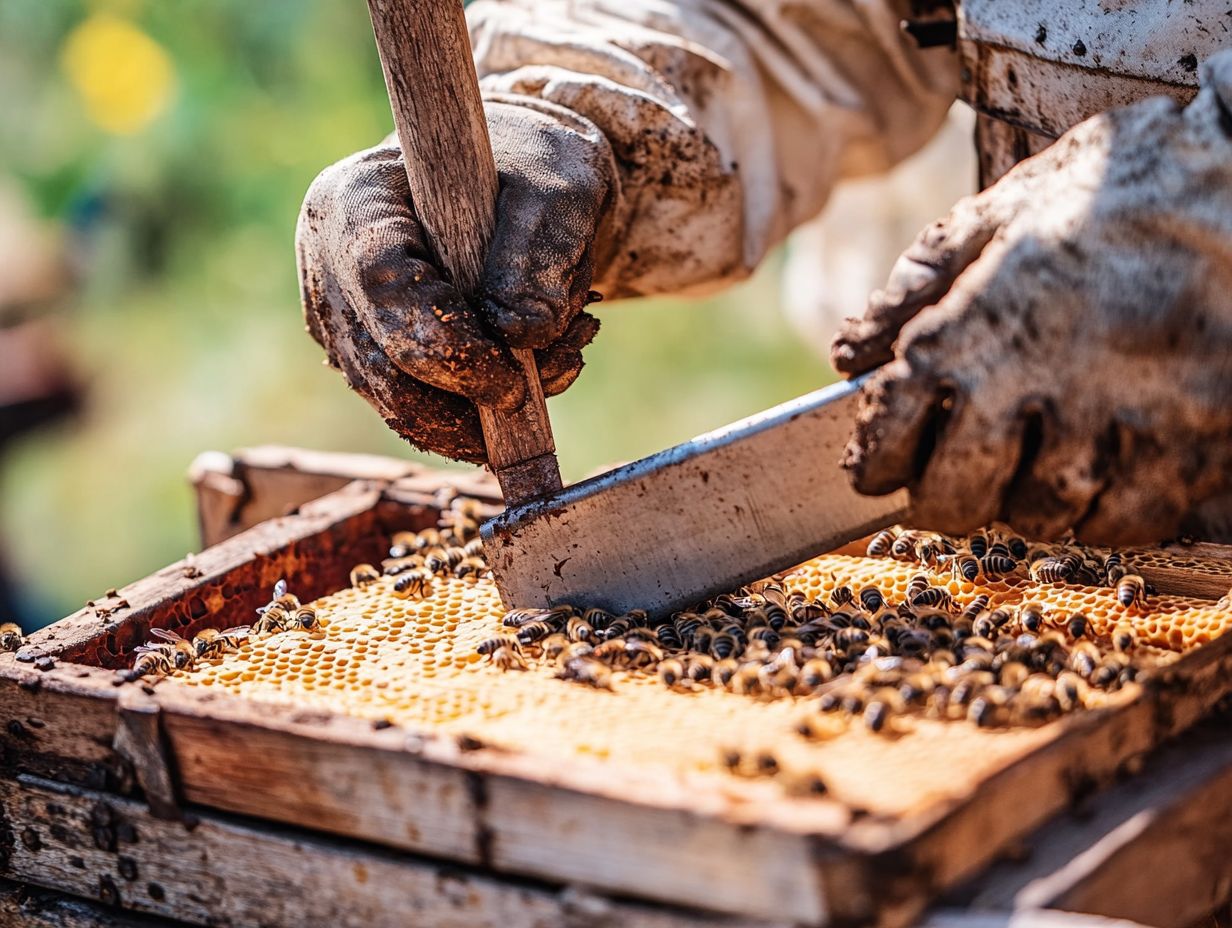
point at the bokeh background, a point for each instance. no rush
(153, 156)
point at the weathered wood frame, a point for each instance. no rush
(492, 811)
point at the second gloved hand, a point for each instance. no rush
(397, 329)
(1058, 350)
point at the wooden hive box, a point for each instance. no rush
(210, 808)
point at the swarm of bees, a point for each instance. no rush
(170, 652)
(10, 636)
(857, 653)
(452, 549)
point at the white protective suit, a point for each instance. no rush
(796, 96)
(652, 146)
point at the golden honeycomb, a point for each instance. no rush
(413, 662)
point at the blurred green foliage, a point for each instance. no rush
(187, 321)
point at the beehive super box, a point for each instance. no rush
(619, 821)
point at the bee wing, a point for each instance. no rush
(239, 631)
(148, 649)
(166, 634)
(280, 589)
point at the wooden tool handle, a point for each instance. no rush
(426, 56)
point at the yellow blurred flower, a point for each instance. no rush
(125, 78)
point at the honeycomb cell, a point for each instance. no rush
(414, 662)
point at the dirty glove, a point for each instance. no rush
(397, 329)
(1059, 347)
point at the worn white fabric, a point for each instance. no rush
(731, 121)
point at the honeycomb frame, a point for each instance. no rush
(520, 814)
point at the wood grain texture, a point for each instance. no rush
(239, 490)
(619, 830)
(1029, 918)
(215, 870)
(1152, 849)
(434, 92)
(315, 549)
(27, 906)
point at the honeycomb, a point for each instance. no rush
(415, 662)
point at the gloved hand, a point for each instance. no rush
(399, 332)
(1059, 347)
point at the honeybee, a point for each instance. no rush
(587, 671)
(473, 548)
(535, 631)
(966, 567)
(725, 644)
(723, 671)
(1084, 658)
(880, 707)
(671, 672)
(778, 678)
(1124, 637)
(977, 605)
(931, 550)
(879, 545)
(988, 622)
(282, 599)
(426, 539)
(443, 560)
(10, 636)
(872, 599)
(611, 651)
(916, 687)
(363, 574)
(393, 566)
(578, 629)
(1054, 569)
(640, 653)
(903, 548)
(414, 583)
(998, 565)
(598, 619)
(471, 567)
(1077, 625)
(638, 618)
(1114, 569)
(764, 635)
(1070, 690)
(402, 544)
(152, 660)
(985, 710)
(1017, 547)
(506, 658)
(1131, 591)
(458, 527)
(699, 667)
(183, 654)
(553, 646)
(917, 585)
(977, 544)
(1106, 673)
(516, 618)
(304, 618)
(210, 642)
(669, 637)
(490, 645)
(271, 620)
(934, 597)
(1031, 617)
(841, 596)
(576, 649)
